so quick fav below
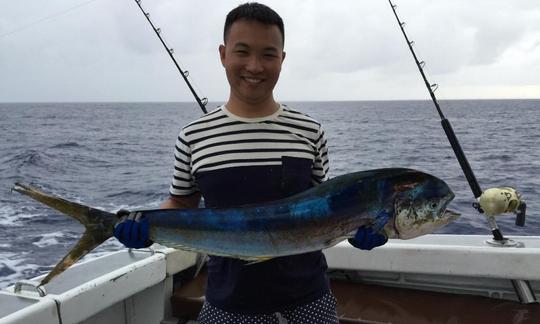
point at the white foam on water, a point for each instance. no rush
(14, 218)
(49, 239)
(8, 217)
(17, 263)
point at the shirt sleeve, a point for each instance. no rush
(321, 165)
(183, 183)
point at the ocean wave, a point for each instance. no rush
(49, 239)
(66, 145)
(494, 156)
(125, 193)
(29, 157)
(113, 207)
(10, 217)
(14, 267)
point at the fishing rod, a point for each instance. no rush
(201, 257)
(202, 102)
(493, 201)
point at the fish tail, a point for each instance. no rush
(98, 226)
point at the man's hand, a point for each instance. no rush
(366, 239)
(132, 230)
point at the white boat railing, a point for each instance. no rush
(450, 257)
(136, 286)
(111, 287)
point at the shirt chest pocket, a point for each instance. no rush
(295, 175)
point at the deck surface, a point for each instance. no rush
(373, 304)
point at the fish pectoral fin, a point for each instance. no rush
(380, 220)
(336, 240)
(256, 260)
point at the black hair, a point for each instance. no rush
(253, 11)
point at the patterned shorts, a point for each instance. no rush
(320, 311)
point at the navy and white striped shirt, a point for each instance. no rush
(222, 140)
(235, 161)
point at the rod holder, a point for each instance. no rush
(27, 285)
(524, 292)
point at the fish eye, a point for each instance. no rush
(433, 205)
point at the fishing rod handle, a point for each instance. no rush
(463, 162)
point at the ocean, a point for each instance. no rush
(120, 155)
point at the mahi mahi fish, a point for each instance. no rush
(414, 203)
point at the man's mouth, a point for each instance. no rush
(252, 80)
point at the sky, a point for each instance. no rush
(105, 50)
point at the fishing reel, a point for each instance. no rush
(496, 201)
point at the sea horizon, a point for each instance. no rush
(284, 101)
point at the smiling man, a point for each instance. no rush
(252, 57)
(253, 150)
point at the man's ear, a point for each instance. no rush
(222, 54)
(283, 57)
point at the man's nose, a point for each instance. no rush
(254, 64)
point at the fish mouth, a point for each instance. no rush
(451, 215)
(408, 224)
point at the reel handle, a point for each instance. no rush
(520, 214)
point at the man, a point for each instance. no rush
(253, 150)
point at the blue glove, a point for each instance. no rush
(132, 230)
(366, 239)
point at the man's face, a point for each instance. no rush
(252, 58)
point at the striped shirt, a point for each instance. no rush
(221, 140)
(234, 161)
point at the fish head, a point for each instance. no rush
(420, 208)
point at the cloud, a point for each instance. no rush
(105, 50)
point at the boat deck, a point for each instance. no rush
(370, 304)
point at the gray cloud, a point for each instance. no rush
(105, 50)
